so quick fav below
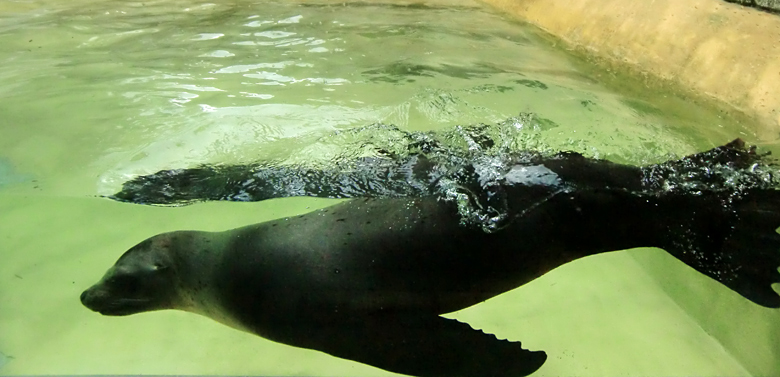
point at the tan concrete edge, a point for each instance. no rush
(718, 49)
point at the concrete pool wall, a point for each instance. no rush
(722, 50)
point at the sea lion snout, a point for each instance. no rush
(118, 294)
(123, 292)
(94, 299)
(141, 280)
(97, 299)
(91, 300)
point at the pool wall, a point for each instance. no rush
(719, 49)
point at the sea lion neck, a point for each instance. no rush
(195, 257)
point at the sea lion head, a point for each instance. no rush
(143, 279)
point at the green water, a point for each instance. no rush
(92, 93)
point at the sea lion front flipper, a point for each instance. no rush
(431, 347)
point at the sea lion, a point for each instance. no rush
(368, 279)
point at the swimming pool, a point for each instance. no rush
(94, 93)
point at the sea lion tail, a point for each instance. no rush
(731, 238)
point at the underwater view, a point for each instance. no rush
(123, 120)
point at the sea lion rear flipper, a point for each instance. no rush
(736, 154)
(432, 347)
(732, 238)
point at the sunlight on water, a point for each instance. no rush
(133, 88)
(95, 93)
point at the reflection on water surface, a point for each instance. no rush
(132, 88)
(93, 93)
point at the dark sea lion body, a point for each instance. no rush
(370, 255)
(367, 279)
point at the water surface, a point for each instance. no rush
(94, 93)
